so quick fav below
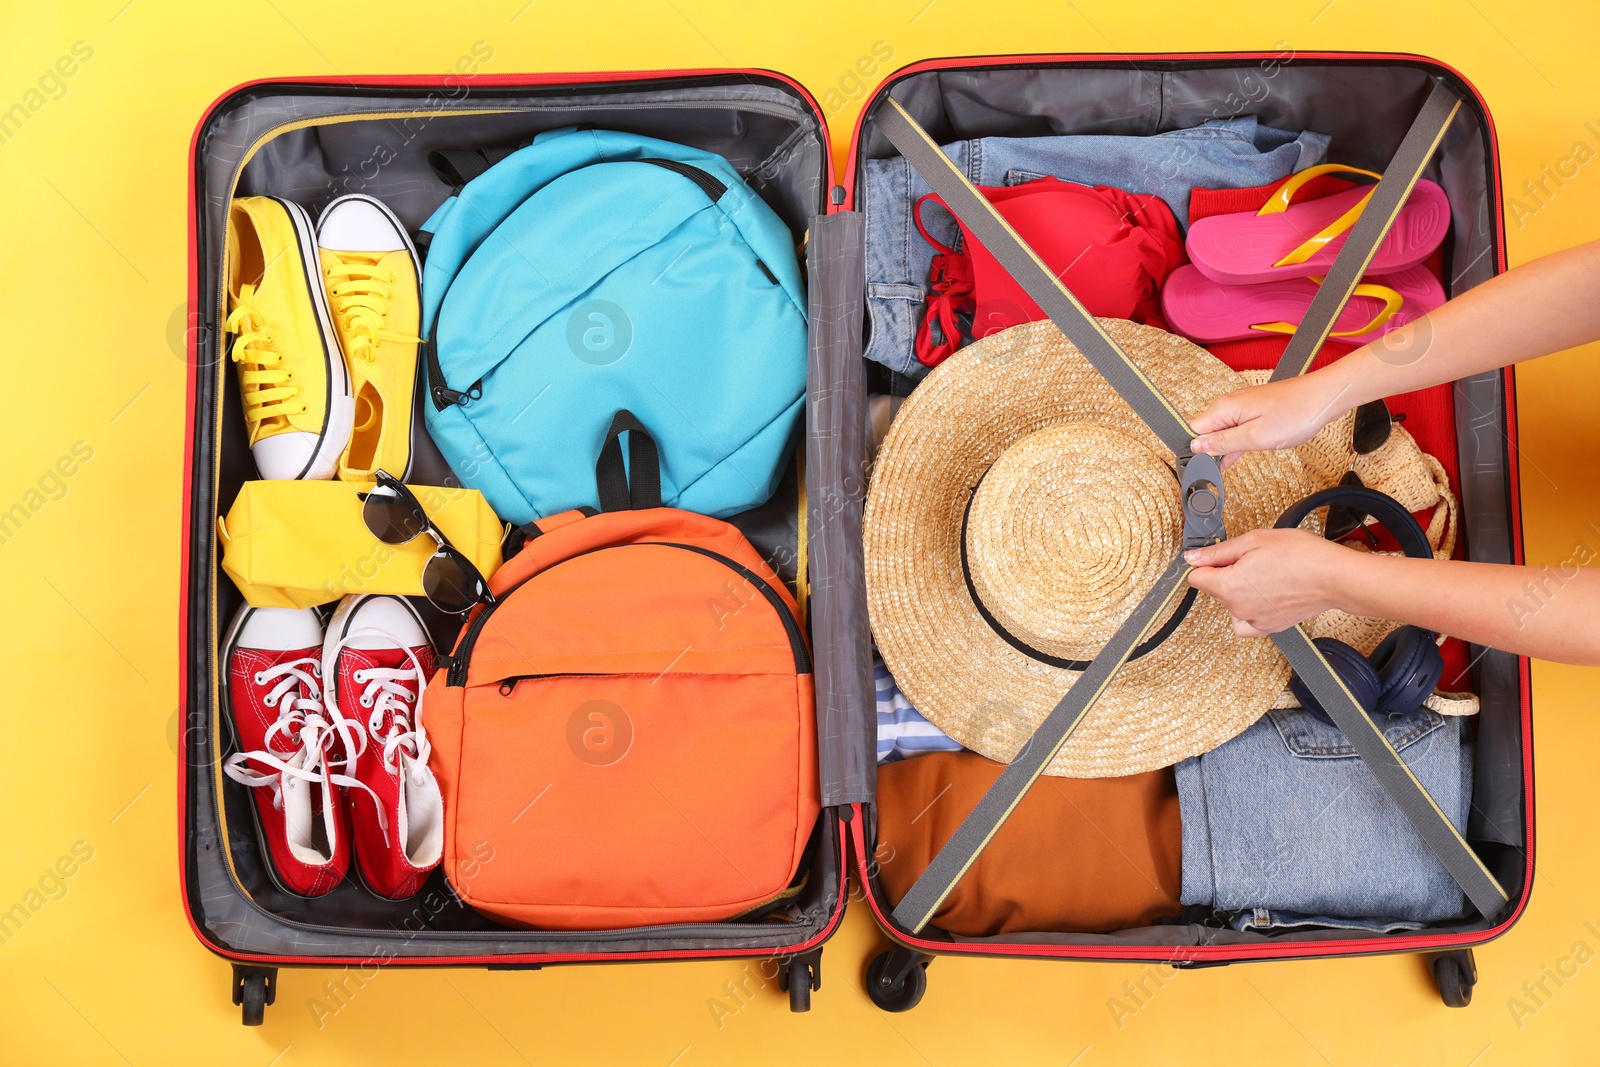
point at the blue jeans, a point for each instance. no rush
(1286, 824)
(1221, 154)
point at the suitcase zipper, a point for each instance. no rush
(456, 671)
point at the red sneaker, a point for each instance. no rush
(284, 737)
(378, 656)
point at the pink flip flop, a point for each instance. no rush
(1285, 240)
(1206, 311)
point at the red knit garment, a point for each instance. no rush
(1430, 414)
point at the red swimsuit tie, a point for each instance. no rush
(949, 292)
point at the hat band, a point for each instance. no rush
(1142, 649)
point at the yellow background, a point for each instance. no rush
(92, 284)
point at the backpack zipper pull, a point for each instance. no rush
(444, 396)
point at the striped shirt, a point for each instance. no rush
(902, 732)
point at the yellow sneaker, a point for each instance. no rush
(370, 268)
(292, 379)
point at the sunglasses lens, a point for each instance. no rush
(1342, 520)
(451, 583)
(390, 517)
(1372, 428)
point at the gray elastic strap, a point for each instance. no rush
(991, 229)
(991, 813)
(1396, 778)
(1388, 197)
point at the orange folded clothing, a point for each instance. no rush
(1083, 855)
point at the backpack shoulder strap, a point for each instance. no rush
(458, 166)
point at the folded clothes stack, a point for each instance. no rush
(1226, 250)
(902, 731)
(1220, 153)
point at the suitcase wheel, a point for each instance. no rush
(801, 975)
(897, 978)
(1455, 973)
(253, 989)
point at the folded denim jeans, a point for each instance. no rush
(1286, 818)
(1220, 154)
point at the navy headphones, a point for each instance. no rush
(1407, 666)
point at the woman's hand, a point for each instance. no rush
(1277, 415)
(1271, 579)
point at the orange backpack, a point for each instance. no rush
(627, 736)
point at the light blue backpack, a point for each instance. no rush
(596, 272)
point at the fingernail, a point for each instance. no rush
(1192, 556)
(1197, 445)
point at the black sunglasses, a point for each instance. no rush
(1344, 520)
(395, 516)
(1372, 427)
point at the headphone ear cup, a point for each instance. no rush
(1409, 666)
(1353, 670)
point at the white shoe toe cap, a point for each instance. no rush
(280, 629)
(358, 224)
(394, 620)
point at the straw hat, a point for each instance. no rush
(1015, 484)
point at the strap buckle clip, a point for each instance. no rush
(1200, 492)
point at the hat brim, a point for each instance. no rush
(1199, 688)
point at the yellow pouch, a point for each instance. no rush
(297, 544)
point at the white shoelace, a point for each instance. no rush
(303, 728)
(386, 696)
(392, 692)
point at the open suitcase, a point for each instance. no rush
(314, 140)
(1366, 102)
(310, 141)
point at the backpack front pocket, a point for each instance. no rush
(607, 799)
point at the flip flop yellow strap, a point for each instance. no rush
(1314, 244)
(1391, 304)
(1279, 201)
